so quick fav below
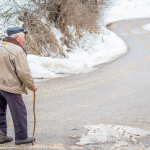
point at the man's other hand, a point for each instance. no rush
(35, 89)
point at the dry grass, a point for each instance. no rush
(81, 14)
(40, 39)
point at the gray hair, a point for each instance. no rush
(19, 34)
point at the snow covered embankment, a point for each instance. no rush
(94, 49)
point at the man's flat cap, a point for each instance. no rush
(14, 30)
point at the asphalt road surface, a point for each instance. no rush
(116, 93)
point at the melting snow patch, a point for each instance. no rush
(146, 27)
(121, 136)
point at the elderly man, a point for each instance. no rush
(15, 76)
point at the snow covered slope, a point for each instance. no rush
(80, 60)
(128, 9)
(93, 49)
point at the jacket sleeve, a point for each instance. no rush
(23, 70)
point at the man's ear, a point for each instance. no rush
(16, 36)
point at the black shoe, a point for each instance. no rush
(4, 138)
(28, 140)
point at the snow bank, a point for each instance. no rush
(120, 136)
(146, 27)
(99, 49)
(43, 67)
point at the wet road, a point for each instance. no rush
(116, 93)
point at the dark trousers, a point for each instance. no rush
(18, 113)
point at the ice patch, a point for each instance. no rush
(121, 136)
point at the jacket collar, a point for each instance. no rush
(14, 41)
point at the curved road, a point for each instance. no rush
(116, 93)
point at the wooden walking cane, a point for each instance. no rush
(34, 119)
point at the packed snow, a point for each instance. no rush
(116, 136)
(146, 27)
